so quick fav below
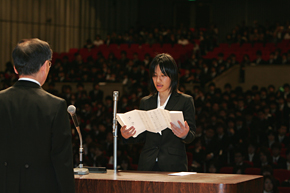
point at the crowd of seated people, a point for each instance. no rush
(235, 128)
(258, 33)
(242, 132)
(207, 38)
(196, 67)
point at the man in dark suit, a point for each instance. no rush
(278, 161)
(36, 151)
(259, 59)
(252, 156)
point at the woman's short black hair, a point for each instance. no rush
(168, 67)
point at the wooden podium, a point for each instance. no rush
(165, 182)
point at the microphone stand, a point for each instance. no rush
(115, 130)
(81, 170)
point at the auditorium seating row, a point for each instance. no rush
(177, 51)
(249, 49)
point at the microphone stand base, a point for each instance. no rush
(96, 169)
(81, 171)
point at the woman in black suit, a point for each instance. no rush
(165, 151)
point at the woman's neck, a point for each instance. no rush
(164, 95)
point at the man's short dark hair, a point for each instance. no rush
(30, 54)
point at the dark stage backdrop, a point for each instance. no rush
(69, 23)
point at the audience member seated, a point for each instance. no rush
(278, 161)
(270, 185)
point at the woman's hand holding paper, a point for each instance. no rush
(180, 131)
(126, 133)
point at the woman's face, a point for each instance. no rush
(268, 186)
(161, 81)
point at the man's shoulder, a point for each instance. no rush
(52, 97)
(5, 91)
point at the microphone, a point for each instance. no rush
(80, 170)
(72, 111)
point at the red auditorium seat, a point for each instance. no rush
(281, 174)
(197, 41)
(167, 48)
(283, 43)
(178, 47)
(246, 46)
(252, 56)
(73, 50)
(235, 46)
(209, 55)
(141, 55)
(113, 47)
(124, 47)
(105, 53)
(265, 57)
(253, 171)
(189, 47)
(102, 47)
(226, 170)
(85, 53)
(55, 56)
(258, 45)
(157, 48)
(284, 189)
(135, 47)
(224, 45)
(270, 46)
(145, 46)
(70, 56)
(156, 45)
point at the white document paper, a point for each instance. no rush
(154, 120)
(182, 173)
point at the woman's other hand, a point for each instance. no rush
(126, 133)
(180, 131)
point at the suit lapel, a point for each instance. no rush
(172, 101)
(152, 102)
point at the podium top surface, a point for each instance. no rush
(177, 177)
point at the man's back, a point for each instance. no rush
(35, 141)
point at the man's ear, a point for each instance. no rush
(15, 70)
(43, 67)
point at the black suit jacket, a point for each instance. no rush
(168, 148)
(35, 141)
(281, 163)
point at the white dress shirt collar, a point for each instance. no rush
(30, 79)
